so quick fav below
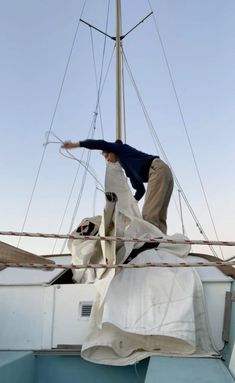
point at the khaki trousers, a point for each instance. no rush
(158, 194)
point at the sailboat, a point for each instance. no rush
(46, 318)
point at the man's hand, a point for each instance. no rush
(70, 145)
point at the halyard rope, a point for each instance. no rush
(115, 266)
(119, 239)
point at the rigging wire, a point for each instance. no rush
(136, 89)
(181, 212)
(98, 86)
(78, 199)
(71, 156)
(88, 169)
(83, 152)
(52, 121)
(67, 203)
(93, 125)
(157, 140)
(81, 163)
(85, 164)
(76, 175)
(123, 97)
(184, 124)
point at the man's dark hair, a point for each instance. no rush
(118, 142)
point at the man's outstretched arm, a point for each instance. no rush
(93, 145)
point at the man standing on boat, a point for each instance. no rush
(139, 168)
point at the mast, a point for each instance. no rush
(118, 39)
(118, 72)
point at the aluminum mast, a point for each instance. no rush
(118, 72)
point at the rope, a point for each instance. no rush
(116, 266)
(52, 121)
(119, 239)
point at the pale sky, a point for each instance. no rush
(35, 41)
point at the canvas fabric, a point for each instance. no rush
(146, 311)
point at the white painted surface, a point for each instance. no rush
(69, 328)
(48, 316)
(21, 319)
(215, 285)
(214, 293)
(41, 316)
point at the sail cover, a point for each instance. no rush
(145, 311)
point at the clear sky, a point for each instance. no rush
(35, 41)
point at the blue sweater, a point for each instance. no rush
(135, 163)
